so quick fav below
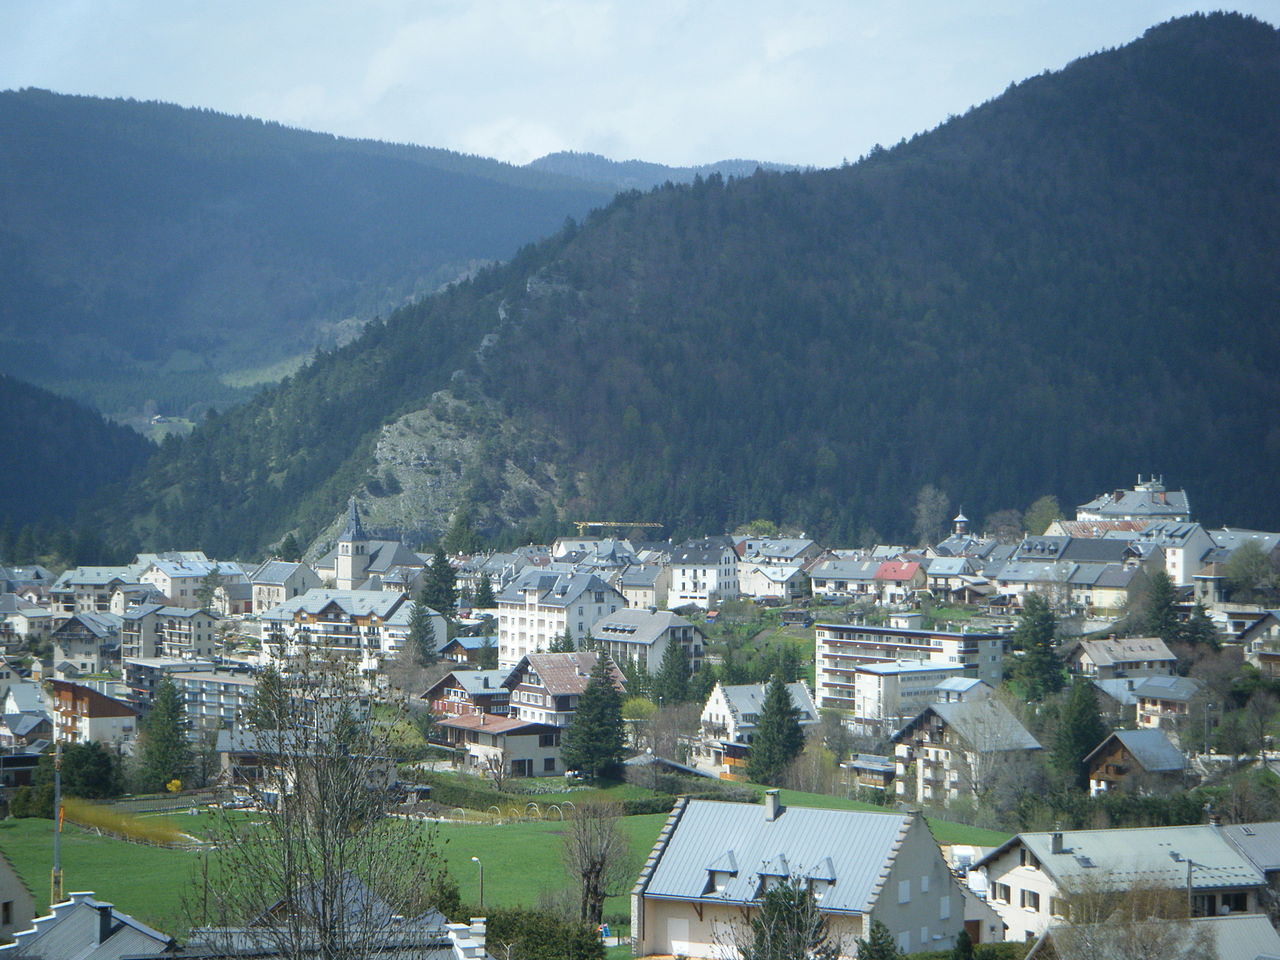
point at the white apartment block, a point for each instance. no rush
(538, 606)
(843, 647)
(703, 573)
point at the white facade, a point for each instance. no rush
(704, 574)
(539, 607)
(893, 691)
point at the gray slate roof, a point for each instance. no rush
(1151, 748)
(748, 698)
(1167, 688)
(636, 626)
(1260, 842)
(380, 603)
(854, 847)
(1154, 856)
(986, 722)
(553, 589)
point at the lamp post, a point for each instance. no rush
(1208, 713)
(476, 861)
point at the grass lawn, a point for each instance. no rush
(146, 882)
(522, 860)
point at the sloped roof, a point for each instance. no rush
(897, 570)
(852, 847)
(1153, 856)
(748, 698)
(565, 674)
(1109, 652)
(637, 626)
(1152, 749)
(986, 722)
(1167, 688)
(475, 682)
(72, 929)
(274, 571)
(553, 589)
(1260, 842)
(845, 570)
(380, 603)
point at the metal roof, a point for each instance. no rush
(1151, 748)
(1153, 856)
(851, 846)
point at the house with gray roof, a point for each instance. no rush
(1148, 500)
(645, 586)
(87, 589)
(1231, 937)
(1030, 878)
(713, 860)
(1144, 761)
(1164, 701)
(728, 724)
(84, 928)
(704, 573)
(962, 747)
(276, 581)
(844, 578)
(1117, 657)
(642, 637)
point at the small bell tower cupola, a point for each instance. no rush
(960, 525)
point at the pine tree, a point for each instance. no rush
(440, 586)
(487, 655)
(1080, 730)
(1200, 629)
(671, 685)
(422, 634)
(166, 752)
(562, 643)
(1040, 669)
(485, 600)
(778, 738)
(289, 549)
(879, 944)
(594, 742)
(963, 950)
(639, 680)
(1161, 615)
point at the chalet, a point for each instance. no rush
(645, 586)
(87, 929)
(365, 626)
(1144, 761)
(461, 693)
(83, 715)
(759, 580)
(87, 589)
(467, 650)
(87, 643)
(961, 748)
(844, 578)
(545, 687)
(713, 860)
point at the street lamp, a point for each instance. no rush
(476, 861)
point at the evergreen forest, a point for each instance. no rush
(1070, 284)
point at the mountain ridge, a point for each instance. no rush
(1039, 296)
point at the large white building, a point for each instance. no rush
(703, 573)
(886, 693)
(842, 648)
(537, 607)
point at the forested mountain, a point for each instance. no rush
(640, 174)
(150, 252)
(1072, 283)
(57, 454)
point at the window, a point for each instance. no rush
(549, 740)
(924, 936)
(1029, 859)
(1234, 902)
(1000, 892)
(944, 908)
(904, 891)
(6, 913)
(924, 884)
(1058, 907)
(1030, 900)
(549, 765)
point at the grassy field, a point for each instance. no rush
(521, 860)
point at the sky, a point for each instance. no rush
(672, 81)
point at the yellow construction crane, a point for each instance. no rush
(624, 524)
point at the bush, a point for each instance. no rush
(1011, 950)
(157, 830)
(537, 935)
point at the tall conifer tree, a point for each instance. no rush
(779, 738)
(595, 740)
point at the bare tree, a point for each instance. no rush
(1135, 922)
(1259, 712)
(327, 871)
(497, 767)
(788, 926)
(597, 856)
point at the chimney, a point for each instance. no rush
(1055, 842)
(104, 921)
(468, 940)
(772, 808)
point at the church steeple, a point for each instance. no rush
(961, 524)
(353, 531)
(352, 564)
